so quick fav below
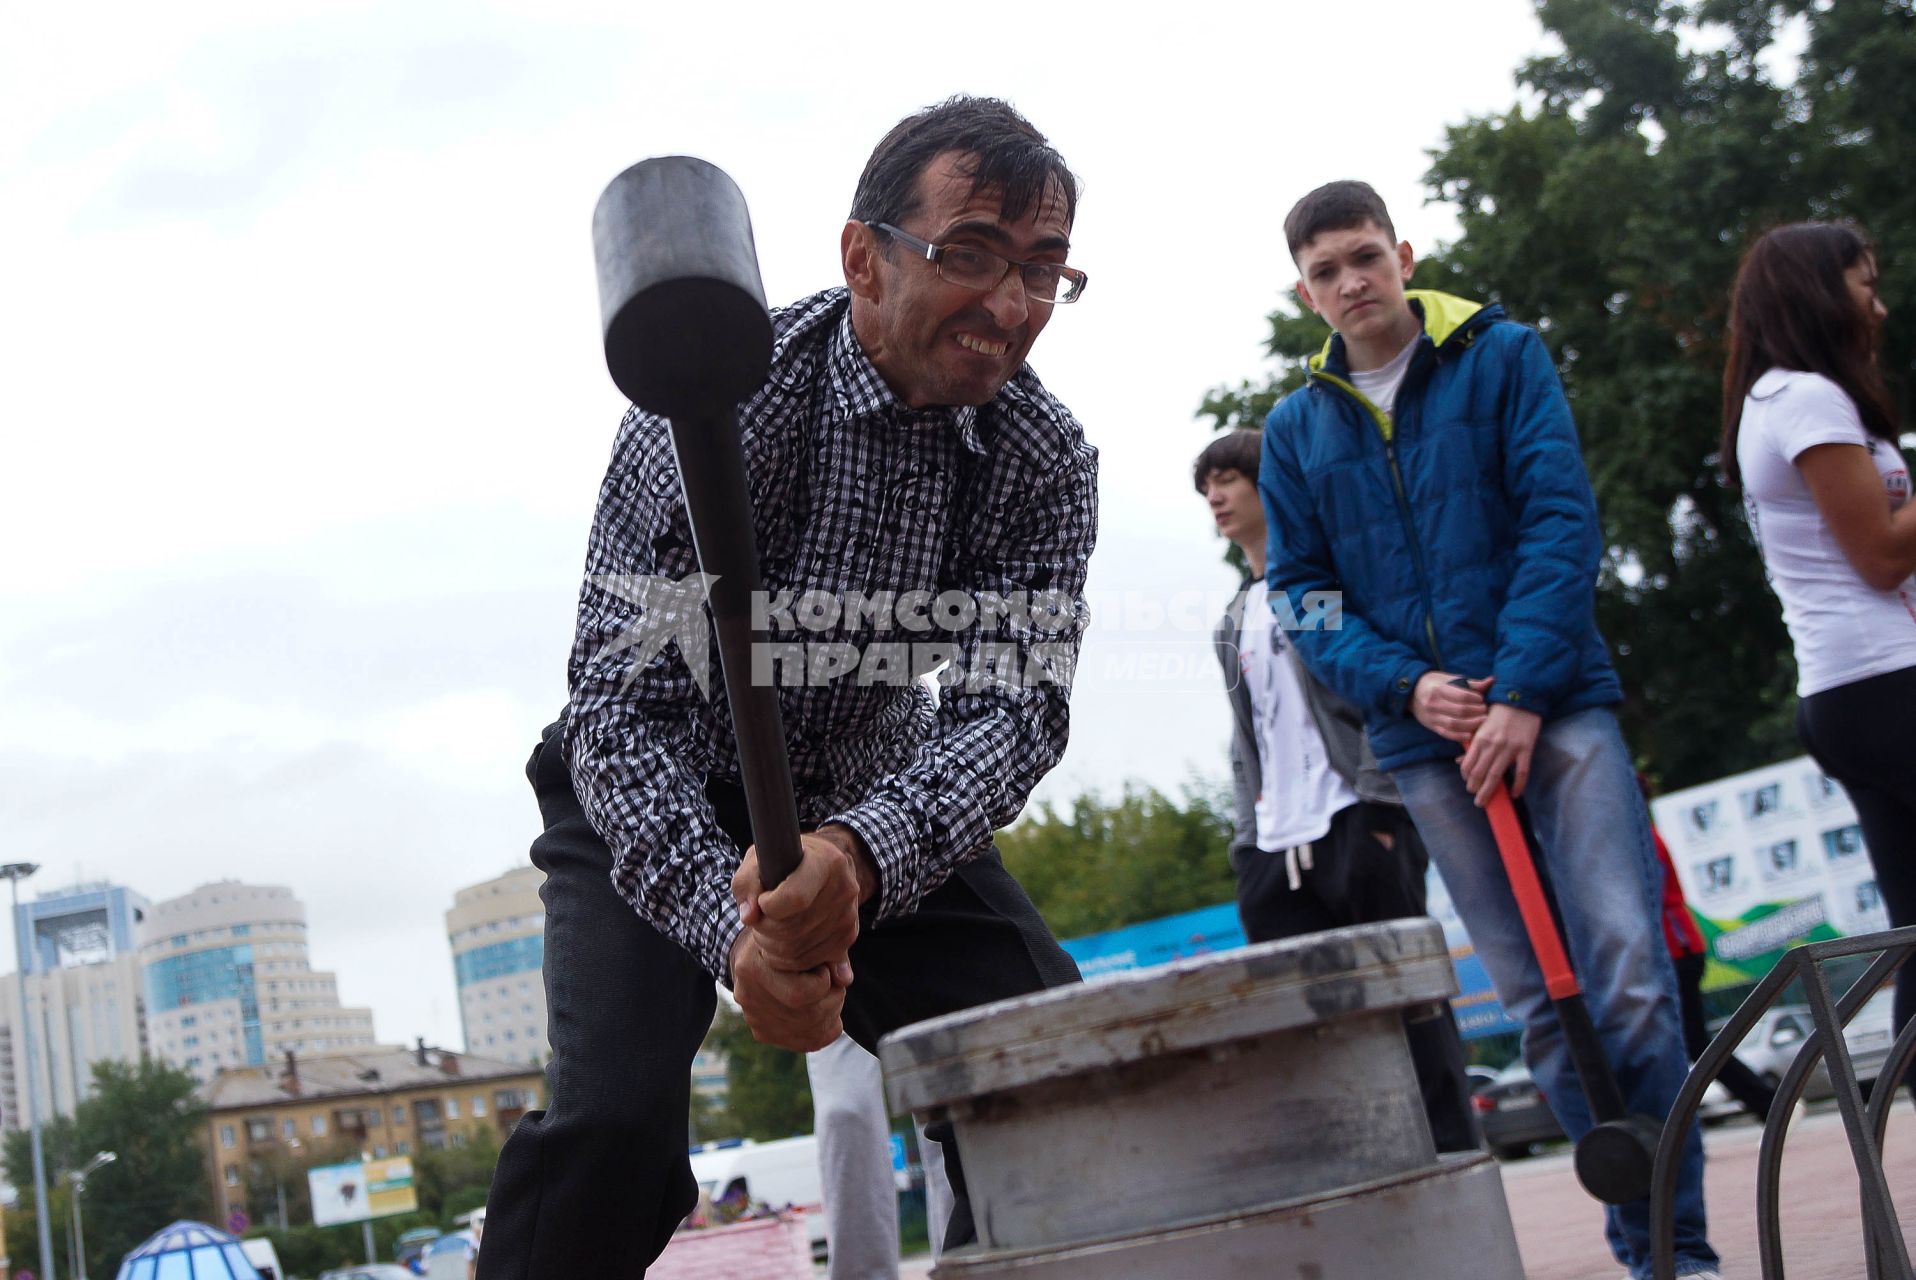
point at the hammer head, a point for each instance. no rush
(687, 333)
(1615, 1160)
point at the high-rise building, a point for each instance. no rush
(229, 984)
(75, 947)
(497, 933)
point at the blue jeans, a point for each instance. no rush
(1594, 834)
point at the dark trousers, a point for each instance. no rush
(1744, 1085)
(1354, 878)
(596, 1183)
(1863, 734)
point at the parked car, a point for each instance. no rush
(453, 1256)
(1778, 1037)
(370, 1271)
(1515, 1117)
(411, 1244)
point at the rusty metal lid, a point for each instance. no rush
(1176, 1008)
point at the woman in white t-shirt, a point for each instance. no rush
(1810, 434)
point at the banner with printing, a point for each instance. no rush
(1769, 859)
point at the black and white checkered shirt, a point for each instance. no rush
(853, 492)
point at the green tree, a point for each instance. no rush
(448, 1178)
(1610, 212)
(1100, 865)
(767, 1093)
(149, 1115)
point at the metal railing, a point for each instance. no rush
(1866, 1124)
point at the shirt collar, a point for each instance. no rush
(860, 391)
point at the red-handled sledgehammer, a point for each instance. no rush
(1615, 1158)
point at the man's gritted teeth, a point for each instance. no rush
(983, 346)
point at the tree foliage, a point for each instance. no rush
(149, 1116)
(767, 1093)
(1103, 864)
(1610, 211)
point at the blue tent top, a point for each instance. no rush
(188, 1251)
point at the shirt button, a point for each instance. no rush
(1402, 683)
(1515, 696)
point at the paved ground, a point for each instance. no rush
(1560, 1233)
(1560, 1229)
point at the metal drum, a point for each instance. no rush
(1248, 1113)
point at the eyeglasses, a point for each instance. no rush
(971, 268)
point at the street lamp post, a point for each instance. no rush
(78, 1177)
(279, 1183)
(15, 872)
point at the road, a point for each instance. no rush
(1560, 1229)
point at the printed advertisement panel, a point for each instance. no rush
(1769, 859)
(361, 1190)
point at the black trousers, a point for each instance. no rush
(1743, 1084)
(596, 1183)
(1863, 734)
(1354, 878)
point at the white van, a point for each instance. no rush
(781, 1174)
(265, 1259)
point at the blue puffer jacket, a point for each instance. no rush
(1463, 534)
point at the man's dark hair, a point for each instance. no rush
(1335, 206)
(1237, 451)
(1001, 147)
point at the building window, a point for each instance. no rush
(259, 1130)
(226, 1135)
(289, 1128)
(452, 1108)
(402, 1148)
(478, 1105)
(319, 1126)
(379, 1151)
(232, 1175)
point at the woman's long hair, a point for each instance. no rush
(1792, 309)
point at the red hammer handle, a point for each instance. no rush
(1521, 868)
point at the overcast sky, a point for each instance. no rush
(305, 413)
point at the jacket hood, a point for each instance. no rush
(1444, 315)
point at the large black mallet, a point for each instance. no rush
(687, 337)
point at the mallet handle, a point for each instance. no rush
(712, 474)
(1559, 979)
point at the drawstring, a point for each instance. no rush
(1297, 859)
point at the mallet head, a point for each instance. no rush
(1614, 1161)
(681, 304)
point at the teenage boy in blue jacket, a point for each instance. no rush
(1430, 471)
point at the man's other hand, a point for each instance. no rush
(1502, 746)
(811, 919)
(1448, 709)
(797, 1011)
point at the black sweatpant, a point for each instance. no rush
(1863, 734)
(1355, 878)
(1743, 1084)
(596, 1183)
